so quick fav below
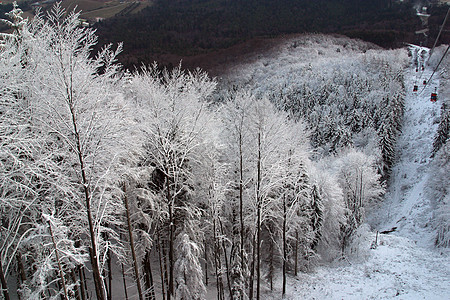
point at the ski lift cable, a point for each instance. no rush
(440, 31)
(420, 69)
(429, 79)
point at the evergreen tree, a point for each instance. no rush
(317, 216)
(442, 134)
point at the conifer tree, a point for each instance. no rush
(442, 134)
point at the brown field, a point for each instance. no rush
(104, 12)
(83, 5)
(93, 9)
(143, 5)
(27, 14)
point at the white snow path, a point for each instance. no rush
(406, 205)
(405, 265)
(397, 268)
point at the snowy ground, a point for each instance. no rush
(397, 268)
(404, 265)
(406, 205)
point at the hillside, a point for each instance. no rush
(404, 264)
(198, 32)
(170, 31)
(154, 182)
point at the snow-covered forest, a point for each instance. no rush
(169, 184)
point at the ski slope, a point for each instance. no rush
(406, 205)
(404, 264)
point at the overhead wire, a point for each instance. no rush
(422, 66)
(432, 49)
(440, 31)
(435, 69)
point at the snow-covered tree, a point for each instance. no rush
(109, 165)
(174, 120)
(442, 134)
(361, 187)
(76, 109)
(24, 169)
(267, 156)
(329, 246)
(189, 274)
(235, 117)
(338, 95)
(55, 256)
(438, 190)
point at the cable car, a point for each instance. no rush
(424, 82)
(417, 69)
(433, 97)
(415, 88)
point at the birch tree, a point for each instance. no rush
(235, 117)
(76, 105)
(361, 187)
(22, 167)
(173, 124)
(329, 246)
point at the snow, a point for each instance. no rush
(396, 268)
(406, 204)
(404, 264)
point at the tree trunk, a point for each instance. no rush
(252, 268)
(171, 241)
(124, 283)
(206, 262)
(82, 283)
(241, 200)
(227, 265)
(109, 276)
(284, 246)
(20, 267)
(271, 262)
(74, 280)
(99, 289)
(61, 273)
(258, 255)
(161, 272)
(296, 254)
(258, 199)
(133, 252)
(217, 264)
(3, 281)
(149, 277)
(166, 267)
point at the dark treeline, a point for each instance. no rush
(186, 28)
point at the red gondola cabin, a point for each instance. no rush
(433, 97)
(415, 88)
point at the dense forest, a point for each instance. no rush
(185, 28)
(170, 184)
